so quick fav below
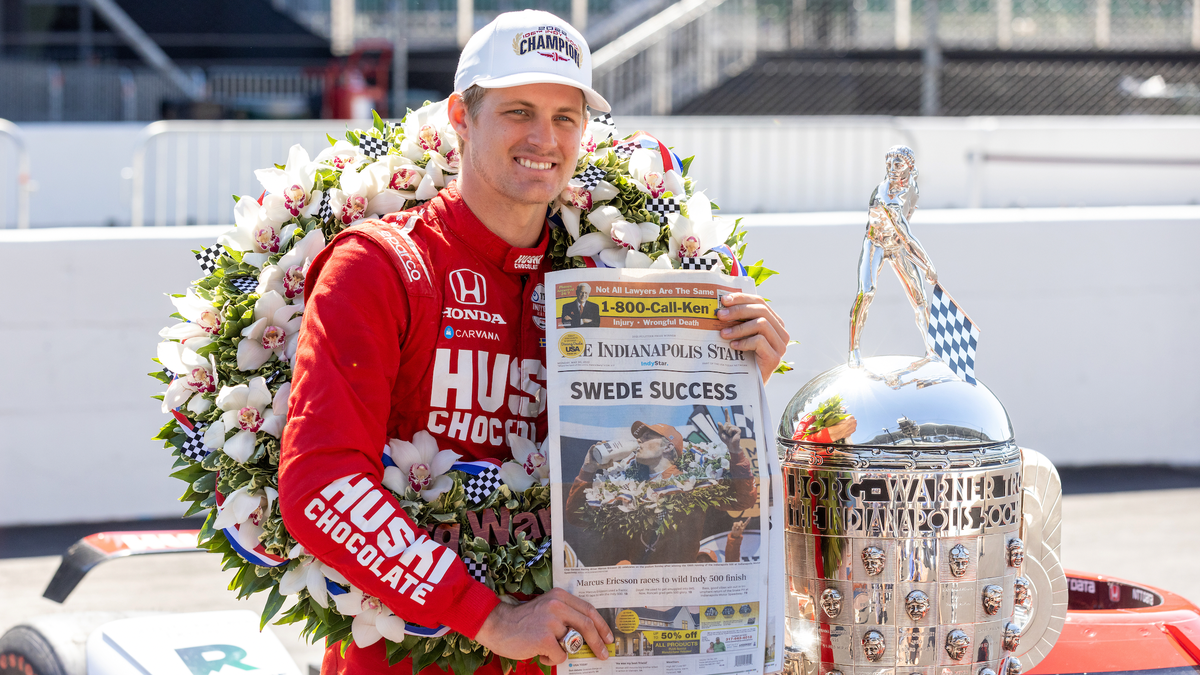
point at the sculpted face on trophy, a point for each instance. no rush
(873, 560)
(873, 645)
(960, 559)
(957, 644)
(993, 598)
(916, 604)
(1021, 591)
(986, 671)
(831, 602)
(1016, 552)
(1012, 666)
(1012, 637)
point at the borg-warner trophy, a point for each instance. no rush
(920, 538)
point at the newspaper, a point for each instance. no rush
(658, 451)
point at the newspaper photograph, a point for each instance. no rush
(658, 464)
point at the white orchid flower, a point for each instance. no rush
(274, 332)
(194, 374)
(247, 510)
(342, 155)
(598, 132)
(699, 231)
(287, 276)
(646, 171)
(294, 182)
(203, 318)
(530, 465)
(428, 129)
(419, 465)
(372, 619)
(261, 229)
(311, 574)
(393, 181)
(248, 408)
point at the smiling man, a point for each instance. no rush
(388, 349)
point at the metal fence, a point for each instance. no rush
(842, 25)
(686, 50)
(184, 172)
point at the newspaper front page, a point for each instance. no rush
(658, 447)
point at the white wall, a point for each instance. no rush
(1089, 318)
(745, 164)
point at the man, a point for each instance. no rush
(659, 447)
(581, 313)
(376, 361)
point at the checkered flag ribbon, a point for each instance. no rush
(193, 446)
(606, 119)
(478, 570)
(208, 258)
(541, 552)
(373, 147)
(481, 486)
(952, 334)
(591, 176)
(662, 205)
(624, 150)
(246, 284)
(699, 263)
(325, 211)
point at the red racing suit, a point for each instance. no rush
(422, 320)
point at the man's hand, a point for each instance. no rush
(760, 330)
(730, 435)
(534, 628)
(738, 530)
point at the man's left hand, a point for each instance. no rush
(760, 330)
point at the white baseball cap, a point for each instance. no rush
(528, 47)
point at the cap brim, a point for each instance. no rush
(594, 100)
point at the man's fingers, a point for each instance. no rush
(760, 327)
(735, 301)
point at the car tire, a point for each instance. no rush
(24, 651)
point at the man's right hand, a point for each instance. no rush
(534, 628)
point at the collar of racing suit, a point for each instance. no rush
(460, 221)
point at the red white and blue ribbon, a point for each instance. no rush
(641, 139)
(735, 270)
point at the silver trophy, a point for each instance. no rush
(919, 535)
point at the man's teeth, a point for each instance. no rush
(541, 166)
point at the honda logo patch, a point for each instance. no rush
(469, 287)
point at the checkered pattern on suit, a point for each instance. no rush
(208, 258)
(372, 147)
(481, 486)
(591, 176)
(245, 284)
(478, 570)
(193, 446)
(699, 263)
(662, 205)
(952, 334)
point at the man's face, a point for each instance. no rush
(651, 448)
(523, 142)
(581, 294)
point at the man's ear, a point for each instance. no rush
(456, 110)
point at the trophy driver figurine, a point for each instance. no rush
(888, 238)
